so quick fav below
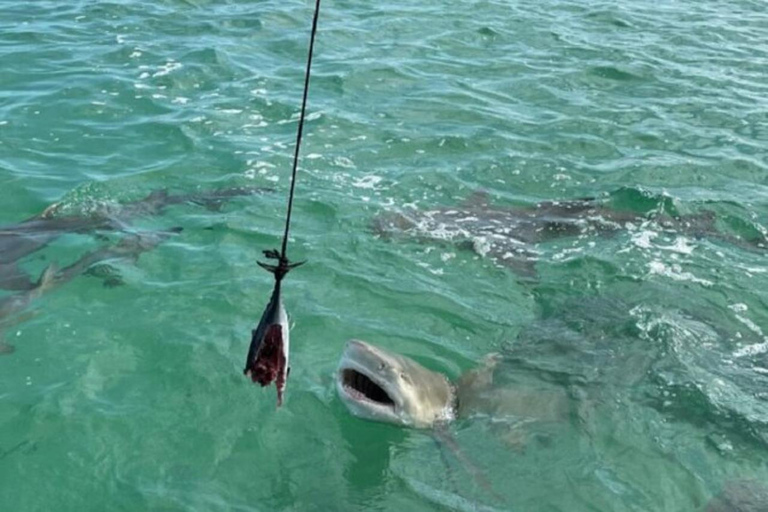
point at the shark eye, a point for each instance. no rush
(382, 366)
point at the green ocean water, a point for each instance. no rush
(133, 398)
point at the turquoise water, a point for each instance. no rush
(132, 397)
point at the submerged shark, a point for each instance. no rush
(14, 308)
(510, 235)
(19, 240)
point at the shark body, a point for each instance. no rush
(510, 235)
(15, 308)
(24, 238)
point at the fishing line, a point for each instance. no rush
(283, 265)
(268, 354)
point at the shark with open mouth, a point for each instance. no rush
(379, 385)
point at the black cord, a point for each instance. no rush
(283, 265)
(300, 131)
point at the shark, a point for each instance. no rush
(18, 241)
(510, 236)
(379, 385)
(383, 386)
(15, 308)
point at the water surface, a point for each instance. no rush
(132, 398)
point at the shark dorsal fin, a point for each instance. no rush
(50, 212)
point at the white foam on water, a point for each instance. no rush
(343, 161)
(368, 182)
(752, 350)
(643, 239)
(752, 326)
(681, 246)
(752, 270)
(567, 252)
(675, 272)
(169, 67)
(435, 271)
(481, 245)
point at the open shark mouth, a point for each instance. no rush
(269, 364)
(360, 386)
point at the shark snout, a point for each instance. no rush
(361, 347)
(357, 345)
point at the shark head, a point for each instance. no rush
(379, 385)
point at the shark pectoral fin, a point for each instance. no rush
(110, 275)
(157, 195)
(444, 439)
(47, 278)
(12, 277)
(212, 205)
